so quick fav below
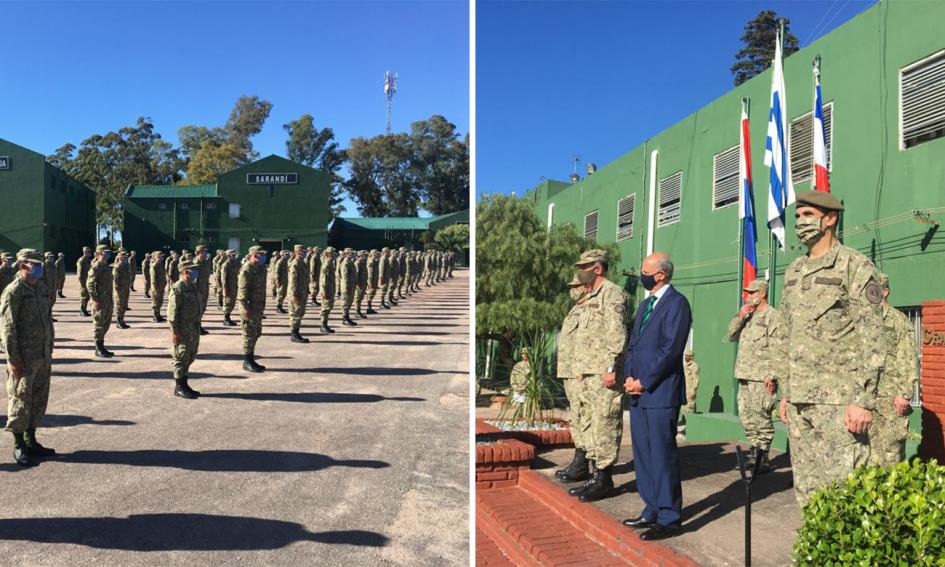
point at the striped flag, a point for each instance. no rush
(821, 177)
(776, 151)
(746, 205)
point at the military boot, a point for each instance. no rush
(325, 328)
(34, 447)
(61, 295)
(147, 294)
(187, 384)
(298, 338)
(281, 309)
(158, 318)
(100, 350)
(346, 320)
(370, 311)
(361, 315)
(121, 324)
(601, 488)
(383, 304)
(749, 458)
(84, 311)
(182, 390)
(21, 454)
(762, 464)
(591, 477)
(227, 322)
(250, 364)
(204, 331)
(577, 468)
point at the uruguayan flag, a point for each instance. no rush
(777, 157)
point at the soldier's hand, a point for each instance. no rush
(610, 379)
(902, 406)
(17, 370)
(857, 419)
(771, 385)
(782, 413)
(176, 338)
(746, 310)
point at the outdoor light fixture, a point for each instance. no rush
(924, 217)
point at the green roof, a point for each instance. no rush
(171, 191)
(391, 223)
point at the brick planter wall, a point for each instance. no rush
(538, 438)
(498, 466)
(933, 381)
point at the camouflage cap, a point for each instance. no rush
(592, 256)
(257, 250)
(385, 249)
(61, 254)
(49, 254)
(884, 280)
(200, 248)
(102, 248)
(362, 252)
(299, 248)
(122, 254)
(758, 284)
(121, 249)
(86, 248)
(6, 256)
(231, 251)
(29, 255)
(819, 199)
(189, 265)
(329, 249)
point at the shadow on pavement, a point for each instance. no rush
(364, 371)
(177, 532)
(81, 360)
(313, 397)
(394, 343)
(72, 420)
(147, 375)
(219, 460)
(732, 498)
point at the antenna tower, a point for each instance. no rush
(390, 89)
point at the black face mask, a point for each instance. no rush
(648, 281)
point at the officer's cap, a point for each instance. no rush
(820, 199)
(101, 248)
(592, 256)
(757, 285)
(29, 255)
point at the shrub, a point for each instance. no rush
(878, 516)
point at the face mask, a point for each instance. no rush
(36, 271)
(586, 277)
(808, 230)
(262, 260)
(754, 302)
(648, 281)
(575, 293)
(107, 256)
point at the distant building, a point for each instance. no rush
(273, 202)
(43, 207)
(378, 232)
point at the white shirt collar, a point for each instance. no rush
(659, 293)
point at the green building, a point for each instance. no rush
(272, 202)
(368, 233)
(43, 207)
(883, 83)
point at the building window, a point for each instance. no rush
(625, 216)
(233, 244)
(725, 179)
(801, 144)
(162, 206)
(915, 319)
(670, 199)
(234, 210)
(590, 226)
(922, 101)
(210, 205)
(185, 206)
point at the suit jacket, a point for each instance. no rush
(655, 356)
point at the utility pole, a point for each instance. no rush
(390, 89)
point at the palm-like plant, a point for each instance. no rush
(535, 404)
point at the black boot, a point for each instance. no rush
(61, 295)
(346, 320)
(204, 331)
(187, 384)
(371, 311)
(250, 364)
(324, 328)
(577, 468)
(297, 338)
(592, 476)
(763, 465)
(749, 459)
(601, 488)
(361, 315)
(121, 324)
(84, 312)
(281, 309)
(158, 318)
(384, 305)
(33, 446)
(100, 350)
(147, 294)
(182, 390)
(227, 322)
(21, 454)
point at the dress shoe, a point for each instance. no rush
(639, 523)
(658, 531)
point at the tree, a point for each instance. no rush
(440, 160)
(208, 152)
(759, 39)
(317, 148)
(381, 179)
(454, 238)
(522, 269)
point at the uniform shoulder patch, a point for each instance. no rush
(874, 293)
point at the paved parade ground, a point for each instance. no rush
(350, 450)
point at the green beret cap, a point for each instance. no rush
(819, 199)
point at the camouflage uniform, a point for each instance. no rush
(218, 261)
(394, 260)
(50, 277)
(760, 338)
(121, 284)
(691, 370)
(229, 279)
(172, 268)
(573, 387)
(158, 283)
(898, 379)
(314, 271)
(203, 282)
(146, 274)
(402, 268)
(183, 317)
(82, 267)
(428, 264)
(384, 275)
(361, 280)
(326, 284)
(60, 273)
(373, 262)
(282, 280)
(833, 321)
(298, 289)
(251, 296)
(348, 284)
(521, 373)
(27, 335)
(133, 268)
(99, 285)
(7, 272)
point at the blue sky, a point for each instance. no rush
(72, 69)
(594, 79)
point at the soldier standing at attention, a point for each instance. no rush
(347, 283)
(133, 268)
(361, 280)
(158, 284)
(394, 261)
(896, 386)
(599, 334)
(282, 280)
(172, 268)
(383, 274)
(60, 274)
(82, 267)
(759, 332)
(183, 317)
(298, 292)
(428, 267)
(578, 470)
(203, 270)
(402, 267)
(146, 274)
(99, 285)
(832, 311)
(229, 279)
(373, 260)
(315, 270)
(218, 260)
(121, 282)
(252, 299)
(50, 279)
(326, 285)
(7, 272)
(26, 333)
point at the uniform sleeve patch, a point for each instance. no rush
(874, 293)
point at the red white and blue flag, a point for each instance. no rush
(746, 206)
(821, 177)
(776, 151)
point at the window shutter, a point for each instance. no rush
(670, 199)
(725, 178)
(922, 89)
(625, 208)
(801, 132)
(590, 226)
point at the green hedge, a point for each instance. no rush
(891, 516)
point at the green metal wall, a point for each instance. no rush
(43, 208)
(874, 178)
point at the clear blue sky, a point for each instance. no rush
(72, 69)
(555, 79)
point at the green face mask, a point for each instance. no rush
(808, 230)
(586, 277)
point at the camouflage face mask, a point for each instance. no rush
(808, 230)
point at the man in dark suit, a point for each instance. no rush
(656, 383)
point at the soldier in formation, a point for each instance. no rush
(99, 284)
(218, 259)
(394, 261)
(183, 318)
(361, 281)
(251, 297)
(281, 268)
(158, 284)
(133, 268)
(121, 281)
(172, 267)
(373, 262)
(82, 267)
(146, 274)
(60, 274)
(315, 271)
(229, 280)
(298, 292)
(348, 285)
(26, 334)
(759, 332)
(7, 271)
(50, 279)
(384, 275)
(326, 286)
(202, 268)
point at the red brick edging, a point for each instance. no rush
(539, 437)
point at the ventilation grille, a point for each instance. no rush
(670, 199)
(923, 101)
(725, 178)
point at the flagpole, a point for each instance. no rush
(746, 106)
(772, 247)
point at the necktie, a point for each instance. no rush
(650, 302)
